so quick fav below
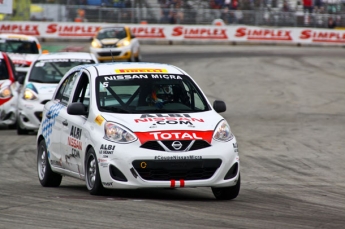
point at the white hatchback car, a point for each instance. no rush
(131, 126)
(23, 50)
(39, 85)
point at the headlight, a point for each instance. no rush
(6, 92)
(123, 43)
(29, 94)
(223, 132)
(117, 133)
(96, 44)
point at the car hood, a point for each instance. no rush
(202, 121)
(43, 88)
(22, 59)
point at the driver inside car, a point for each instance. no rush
(167, 93)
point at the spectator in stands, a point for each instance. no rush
(238, 16)
(285, 7)
(80, 16)
(308, 6)
(165, 11)
(216, 4)
(331, 23)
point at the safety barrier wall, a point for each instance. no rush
(190, 33)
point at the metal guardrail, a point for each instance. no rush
(261, 17)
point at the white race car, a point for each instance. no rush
(40, 83)
(8, 91)
(136, 125)
(22, 49)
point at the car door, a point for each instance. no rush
(52, 125)
(59, 128)
(74, 135)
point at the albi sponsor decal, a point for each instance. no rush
(175, 135)
(264, 34)
(323, 36)
(163, 119)
(74, 138)
(200, 33)
(148, 32)
(72, 30)
(106, 149)
(27, 29)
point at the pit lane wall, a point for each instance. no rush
(183, 33)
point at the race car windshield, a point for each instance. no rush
(52, 71)
(19, 46)
(118, 33)
(149, 93)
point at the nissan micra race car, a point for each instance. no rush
(40, 83)
(131, 126)
(23, 50)
(8, 91)
(115, 43)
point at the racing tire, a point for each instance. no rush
(227, 193)
(92, 177)
(21, 131)
(46, 176)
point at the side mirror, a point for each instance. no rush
(219, 106)
(21, 79)
(76, 108)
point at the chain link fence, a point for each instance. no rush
(200, 16)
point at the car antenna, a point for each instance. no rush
(112, 55)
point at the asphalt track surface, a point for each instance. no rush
(286, 106)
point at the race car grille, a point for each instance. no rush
(109, 46)
(109, 53)
(38, 115)
(166, 170)
(168, 145)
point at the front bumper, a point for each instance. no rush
(125, 168)
(29, 114)
(8, 112)
(104, 54)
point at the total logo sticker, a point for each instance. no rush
(175, 135)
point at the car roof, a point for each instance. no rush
(134, 68)
(66, 55)
(15, 36)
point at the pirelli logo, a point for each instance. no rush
(141, 70)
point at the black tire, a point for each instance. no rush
(21, 131)
(227, 193)
(46, 176)
(92, 177)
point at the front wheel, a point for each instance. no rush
(46, 176)
(227, 193)
(21, 131)
(92, 177)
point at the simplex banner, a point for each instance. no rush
(155, 32)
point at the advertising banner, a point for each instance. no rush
(212, 33)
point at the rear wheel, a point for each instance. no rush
(227, 193)
(46, 176)
(92, 177)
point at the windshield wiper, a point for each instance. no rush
(115, 109)
(163, 111)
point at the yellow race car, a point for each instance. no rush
(115, 43)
